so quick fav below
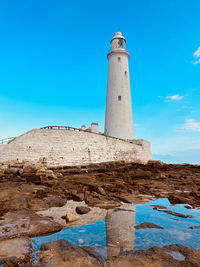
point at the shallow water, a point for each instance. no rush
(176, 255)
(116, 233)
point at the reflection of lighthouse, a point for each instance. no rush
(120, 231)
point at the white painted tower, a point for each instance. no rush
(118, 120)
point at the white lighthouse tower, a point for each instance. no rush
(118, 120)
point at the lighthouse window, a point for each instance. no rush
(118, 58)
(119, 98)
(125, 72)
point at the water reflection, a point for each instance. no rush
(120, 230)
(116, 233)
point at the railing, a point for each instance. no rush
(9, 139)
(6, 140)
(62, 128)
(76, 129)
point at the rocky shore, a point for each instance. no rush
(36, 200)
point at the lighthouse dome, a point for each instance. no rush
(118, 35)
(118, 41)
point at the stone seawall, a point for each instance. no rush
(64, 147)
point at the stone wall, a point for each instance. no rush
(63, 147)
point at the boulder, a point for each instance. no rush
(82, 210)
(72, 217)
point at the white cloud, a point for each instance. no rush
(191, 125)
(196, 55)
(171, 98)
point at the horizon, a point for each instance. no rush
(54, 68)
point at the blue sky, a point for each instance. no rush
(53, 68)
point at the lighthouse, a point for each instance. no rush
(118, 119)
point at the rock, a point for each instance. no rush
(102, 204)
(15, 252)
(57, 200)
(101, 190)
(177, 199)
(20, 196)
(1, 172)
(194, 227)
(159, 257)
(72, 217)
(77, 196)
(142, 173)
(176, 214)
(127, 198)
(29, 169)
(24, 223)
(117, 179)
(82, 209)
(61, 253)
(188, 207)
(12, 170)
(58, 175)
(44, 173)
(147, 225)
(155, 207)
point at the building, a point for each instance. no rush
(118, 119)
(63, 145)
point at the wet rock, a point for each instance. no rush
(176, 214)
(155, 207)
(15, 252)
(72, 217)
(61, 253)
(24, 223)
(82, 210)
(159, 257)
(188, 207)
(174, 219)
(127, 182)
(177, 199)
(194, 227)
(147, 225)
